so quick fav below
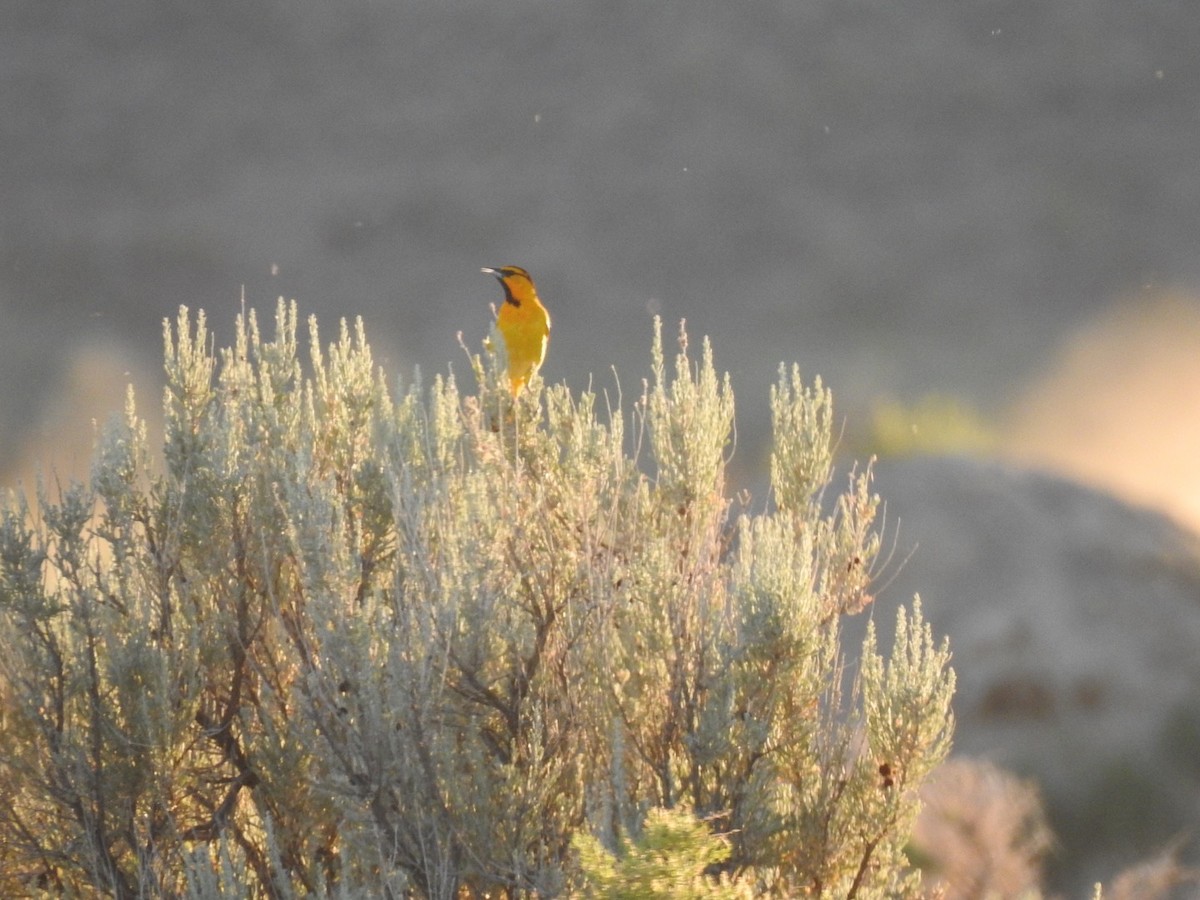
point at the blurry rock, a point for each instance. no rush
(1074, 620)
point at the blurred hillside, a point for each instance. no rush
(903, 198)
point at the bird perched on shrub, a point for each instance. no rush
(523, 322)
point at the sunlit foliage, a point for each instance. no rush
(337, 642)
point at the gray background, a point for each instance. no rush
(902, 196)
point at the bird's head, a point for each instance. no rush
(517, 284)
(503, 272)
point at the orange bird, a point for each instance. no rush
(523, 322)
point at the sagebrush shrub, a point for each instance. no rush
(340, 643)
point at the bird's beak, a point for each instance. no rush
(488, 270)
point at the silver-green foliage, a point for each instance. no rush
(345, 644)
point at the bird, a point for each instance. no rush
(523, 322)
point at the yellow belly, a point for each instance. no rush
(525, 339)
